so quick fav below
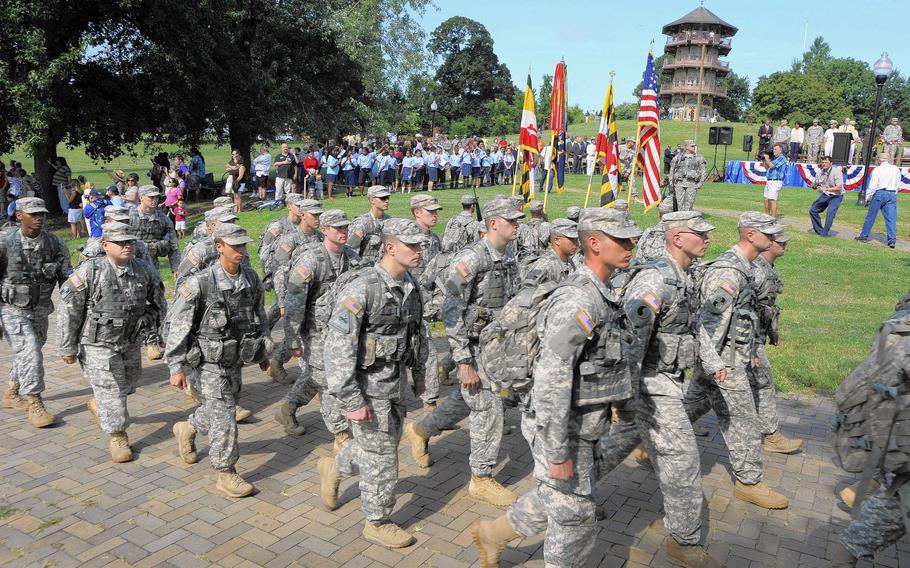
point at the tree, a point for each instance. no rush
(502, 118)
(470, 73)
(543, 102)
(855, 80)
(782, 94)
(739, 97)
(819, 54)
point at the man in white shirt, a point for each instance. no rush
(881, 193)
(829, 137)
(261, 166)
(591, 153)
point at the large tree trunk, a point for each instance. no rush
(43, 172)
(242, 140)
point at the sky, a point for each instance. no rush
(597, 36)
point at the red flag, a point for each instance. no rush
(558, 99)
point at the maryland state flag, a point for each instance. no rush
(528, 143)
(558, 121)
(608, 151)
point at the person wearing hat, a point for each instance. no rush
(572, 213)
(553, 264)
(652, 244)
(106, 305)
(32, 262)
(456, 235)
(203, 253)
(365, 230)
(275, 230)
(309, 283)
(728, 316)
(580, 324)
(814, 138)
(533, 235)
(283, 254)
(216, 325)
(782, 135)
(626, 155)
(117, 176)
(658, 297)
(480, 280)
(93, 248)
(892, 139)
(155, 228)
(688, 172)
(372, 338)
(94, 212)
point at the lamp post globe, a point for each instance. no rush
(433, 108)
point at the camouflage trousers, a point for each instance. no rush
(26, 331)
(484, 407)
(432, 373)
(374, 453)
(764, 393)
(879, 525)
(890, 150)
(734, 405)
(813, 150)
(310, 382)
(564, 509)
(685, 197)
(219, 388)
(112, 374)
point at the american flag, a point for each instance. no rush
(649, 137)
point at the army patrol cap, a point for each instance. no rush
(689, 143)
(610, 221)
(535, 206)
(223, 200)
(564, 227)
(468, 200)
(424, 201)
(378, 191)
(149, 191)
(334, 218)
(572, 213)
(761, 221)
(292, 198)
(501, 206)
(223, 214)
(31, 205)
(814, 121)
(665, 206)
(621, 205)
(118, 233)
(116, 213)
(780, 237)
(404, 230)
(309, 206)
(231, 234)
(694, 220)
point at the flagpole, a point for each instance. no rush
(634, 165)
(515, 165)
(546, 183)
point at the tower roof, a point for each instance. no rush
(700, 16)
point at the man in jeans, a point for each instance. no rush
(777, 167)
(284, 163)
(882, 194)
(829, 182)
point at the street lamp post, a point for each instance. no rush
(882, 70)
(433, 108)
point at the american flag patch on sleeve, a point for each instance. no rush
(352, 305)
(184, 291)
(77, 281)
(462, 269)
(651, 301)
(585, 321)
(728, 287)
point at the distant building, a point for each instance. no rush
(692, 67)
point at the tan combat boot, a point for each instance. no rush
(232, 485)
(420, 443)
(848, 494)
(690, 556)
(241, 413)
(153, 351)
(186, 441)
(640, 455)
(277, 371)
(120, 448)
(760, 495)
(328, 482)
(92, 405)
(779, 444)
(341, 438)
(387, 534)
(285, 416)
(490, 538)
(37, 415)
(11, 398)
(485, 489)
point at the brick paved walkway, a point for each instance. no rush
(63, 503)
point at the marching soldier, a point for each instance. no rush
(216, 325)
(104, 307)
(815, 135)
(202, 254)
(32, 262)
(481, 279)
(892, 137)
(93, 248)
(309, 282)
(201, 231)
(365, 230)
(652, 244)
(457, 234)
(154, 228)
(688, 171)
(268, 240)
(728, 315)
(533, 235)
(372, 339)
(580, 373)
(553, 265)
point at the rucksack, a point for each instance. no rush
(872, 424)
(509, 345)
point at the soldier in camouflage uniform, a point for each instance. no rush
(32, 262)
(201, 231)
(104, 306)
(688, 171)
(268, 240)
(892, 138)
(580, 372)
(572, 213)
(652, 244)
(815, 135)
(533, 236)
(201, 255)
(309, 284)
(457, 234)
(364, 234)
(728, 314)
(93, 248)
(216, 325)
(553, 265)
(768, 286)
(373, 338)
(660, 302)
(782, 136)
(481, 279)
(155, 228)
